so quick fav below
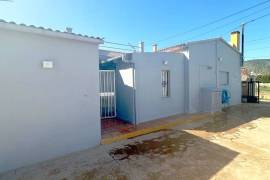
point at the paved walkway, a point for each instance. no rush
(122, 131)
(234, 144)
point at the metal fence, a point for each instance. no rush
(107, 93)
(251, 91)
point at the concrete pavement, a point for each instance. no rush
(234, 144)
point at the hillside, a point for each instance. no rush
(258, 66)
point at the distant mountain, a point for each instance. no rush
(258, 66)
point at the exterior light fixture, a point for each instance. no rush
(165, 62)
(47, 64)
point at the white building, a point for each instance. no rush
(211, 63)
(49, 94)
(53, 94)
(173, 81)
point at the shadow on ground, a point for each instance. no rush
(168, 154)
(172, 154)
(185, 156)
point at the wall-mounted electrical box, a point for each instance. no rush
(210, 100)
(47, 64)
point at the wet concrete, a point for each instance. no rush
(234, 144)
(171, 154)
(164, 145)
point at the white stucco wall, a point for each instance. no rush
(201, 71)
(46, 113)
(204, 66)
(189, 73)
(230, 62)
(150, 104)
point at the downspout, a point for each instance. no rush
(186, 56)
(186, 84)
(217, 69)
(218, 60)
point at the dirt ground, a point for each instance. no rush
(234, 144)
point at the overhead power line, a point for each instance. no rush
(256, 41)
(110, 47)
(249, 21)
(256, 19)
(213, 22)
(243, 30)
(258, 57)
(260, 48)
(120, 44)
(230, 23)
(259, 39)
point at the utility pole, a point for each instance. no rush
(243, 44)
(243, 35)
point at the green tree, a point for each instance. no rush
(263, 78)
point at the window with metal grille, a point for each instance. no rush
(165, 83)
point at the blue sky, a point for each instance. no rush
(130, 21)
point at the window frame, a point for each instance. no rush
(221, 78)
(165, 83)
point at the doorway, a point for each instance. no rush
(107, 94)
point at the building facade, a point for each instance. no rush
(172, 81)
(49, 94)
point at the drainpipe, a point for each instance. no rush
(217, 68)
(187, 84)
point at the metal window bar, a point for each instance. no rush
(107, 94)
(165, 80)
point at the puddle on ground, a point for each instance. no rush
(171, 142)
(175, 141)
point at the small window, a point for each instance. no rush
(165, 83)
(224, 78)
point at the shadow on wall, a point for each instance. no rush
(125, 94)
(234, 116)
